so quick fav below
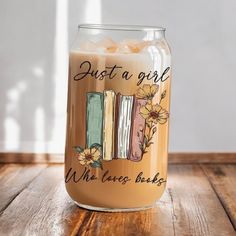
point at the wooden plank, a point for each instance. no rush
(196, 208)
(43, 208)
(156, 222)
(13, 179)
(1, 167)
(184, 211)
(48, 210)
(223, 179)
(188, 207)
(193, 158)
(8, 157)
(174, 158)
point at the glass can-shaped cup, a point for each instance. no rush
(117, 117)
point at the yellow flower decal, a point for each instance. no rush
(89, 156)
(154, 113)
(147, 91)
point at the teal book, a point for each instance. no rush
(94, 118)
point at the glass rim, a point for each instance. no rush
(121, 27)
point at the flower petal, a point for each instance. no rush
(93, 150)
(164, 113)
(147, 89)
(162, 120)
(157, 108)
(87, 151)
(82, 154)
(89, 162)
(82, 162)
(164, 116)
(152, 120)
(154, 88)
(96, 153)
(81, 158)
(140, 93)
(145, 116)
(145, 109)
(149, 107)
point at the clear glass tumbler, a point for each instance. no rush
(117, 117)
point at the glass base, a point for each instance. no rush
(93, 208)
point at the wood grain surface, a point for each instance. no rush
(199, 200)
(196, 208)
(13, 179)
(223, 181)
(173, 158)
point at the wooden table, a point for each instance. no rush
(200, 199)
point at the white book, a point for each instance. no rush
(124, 126)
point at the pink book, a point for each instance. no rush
(137, 131)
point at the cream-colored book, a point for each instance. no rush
(108, 124)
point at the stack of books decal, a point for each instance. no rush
(119, 126)
(114, 123)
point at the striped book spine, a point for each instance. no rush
(94, 118)
(137, 132)
(108, 125)
(125, 105)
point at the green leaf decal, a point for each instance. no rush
(163, 95)
(154, 130)
(96, 145)
(96, 164)
(145, 140)
(78, 149)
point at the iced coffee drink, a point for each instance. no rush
(117, 117)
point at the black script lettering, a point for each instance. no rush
(154, 180)
(85, 176)
(109, 72)
(149, 76)
(113, 68)
(141, 77)
(108, 178)
(153, 76)
(164, 73)
(126, 75)
(82, 75)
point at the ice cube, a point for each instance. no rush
(123, 48)
(108, 44)
(133, 46)
(88, 46)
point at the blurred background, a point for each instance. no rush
(34, 43)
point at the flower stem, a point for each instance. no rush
(149, 131)
(160, 101)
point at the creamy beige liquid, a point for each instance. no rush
(114, 194)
